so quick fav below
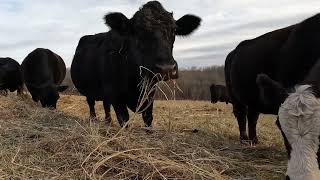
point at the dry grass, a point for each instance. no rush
(41, 144)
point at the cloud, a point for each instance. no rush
(58, 24)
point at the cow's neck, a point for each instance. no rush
(303, 163)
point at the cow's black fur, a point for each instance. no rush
(43, 72)
(219, 93)
(286, 55)
(10, 75)
(106, 66)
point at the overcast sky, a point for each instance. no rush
(58, 24)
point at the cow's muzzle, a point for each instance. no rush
(168, 71)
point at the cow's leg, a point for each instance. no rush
(91, 103)
(147, 116)
(122, 113)
(240, 113)
(5, 92)
(106, 106)
(253, 116)
(20, 91)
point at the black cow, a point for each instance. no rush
(219, 93)
(109, 66)
(43, 72)
(285, 55)
(10, 75)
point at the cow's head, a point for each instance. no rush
(299, 123)
(151, 34)
(213, 93)
(47, 95)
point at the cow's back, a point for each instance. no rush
(87, 65)
(43, 66)
(97, 67)
(250, 58)
(11, 75)
(35, 68)
(58, 67)
(299, 53)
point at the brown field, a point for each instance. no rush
(38, 143)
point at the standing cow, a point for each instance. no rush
(10, 75)
(285, 55)
(43, 72)
(109, 66)
(219, 93)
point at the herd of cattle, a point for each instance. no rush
(42, 71)
(276, 73)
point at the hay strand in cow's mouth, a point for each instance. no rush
(148, 87)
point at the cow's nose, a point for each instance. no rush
(166, 67)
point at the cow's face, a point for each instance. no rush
(150, 36)
(299, 123)
(214, 98)
(48, 96)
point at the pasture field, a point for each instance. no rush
(190, 140)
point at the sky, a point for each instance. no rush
(58, 24)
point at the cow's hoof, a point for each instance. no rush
(254, 141)
(108, 121)
(245, 142)
(250, 142)
(244, 139)
(148, 129)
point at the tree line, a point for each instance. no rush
(192, 84)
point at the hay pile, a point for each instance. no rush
(38, 143)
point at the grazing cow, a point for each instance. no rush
(109, 66)
(299, 122)
(286, 55)
(219, 93)
(43, 72)
(10, 75)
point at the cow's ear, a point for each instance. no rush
(187, 24)
(271, 92)
(62, 88)
(118, 22)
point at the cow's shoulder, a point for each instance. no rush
(276, 36)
